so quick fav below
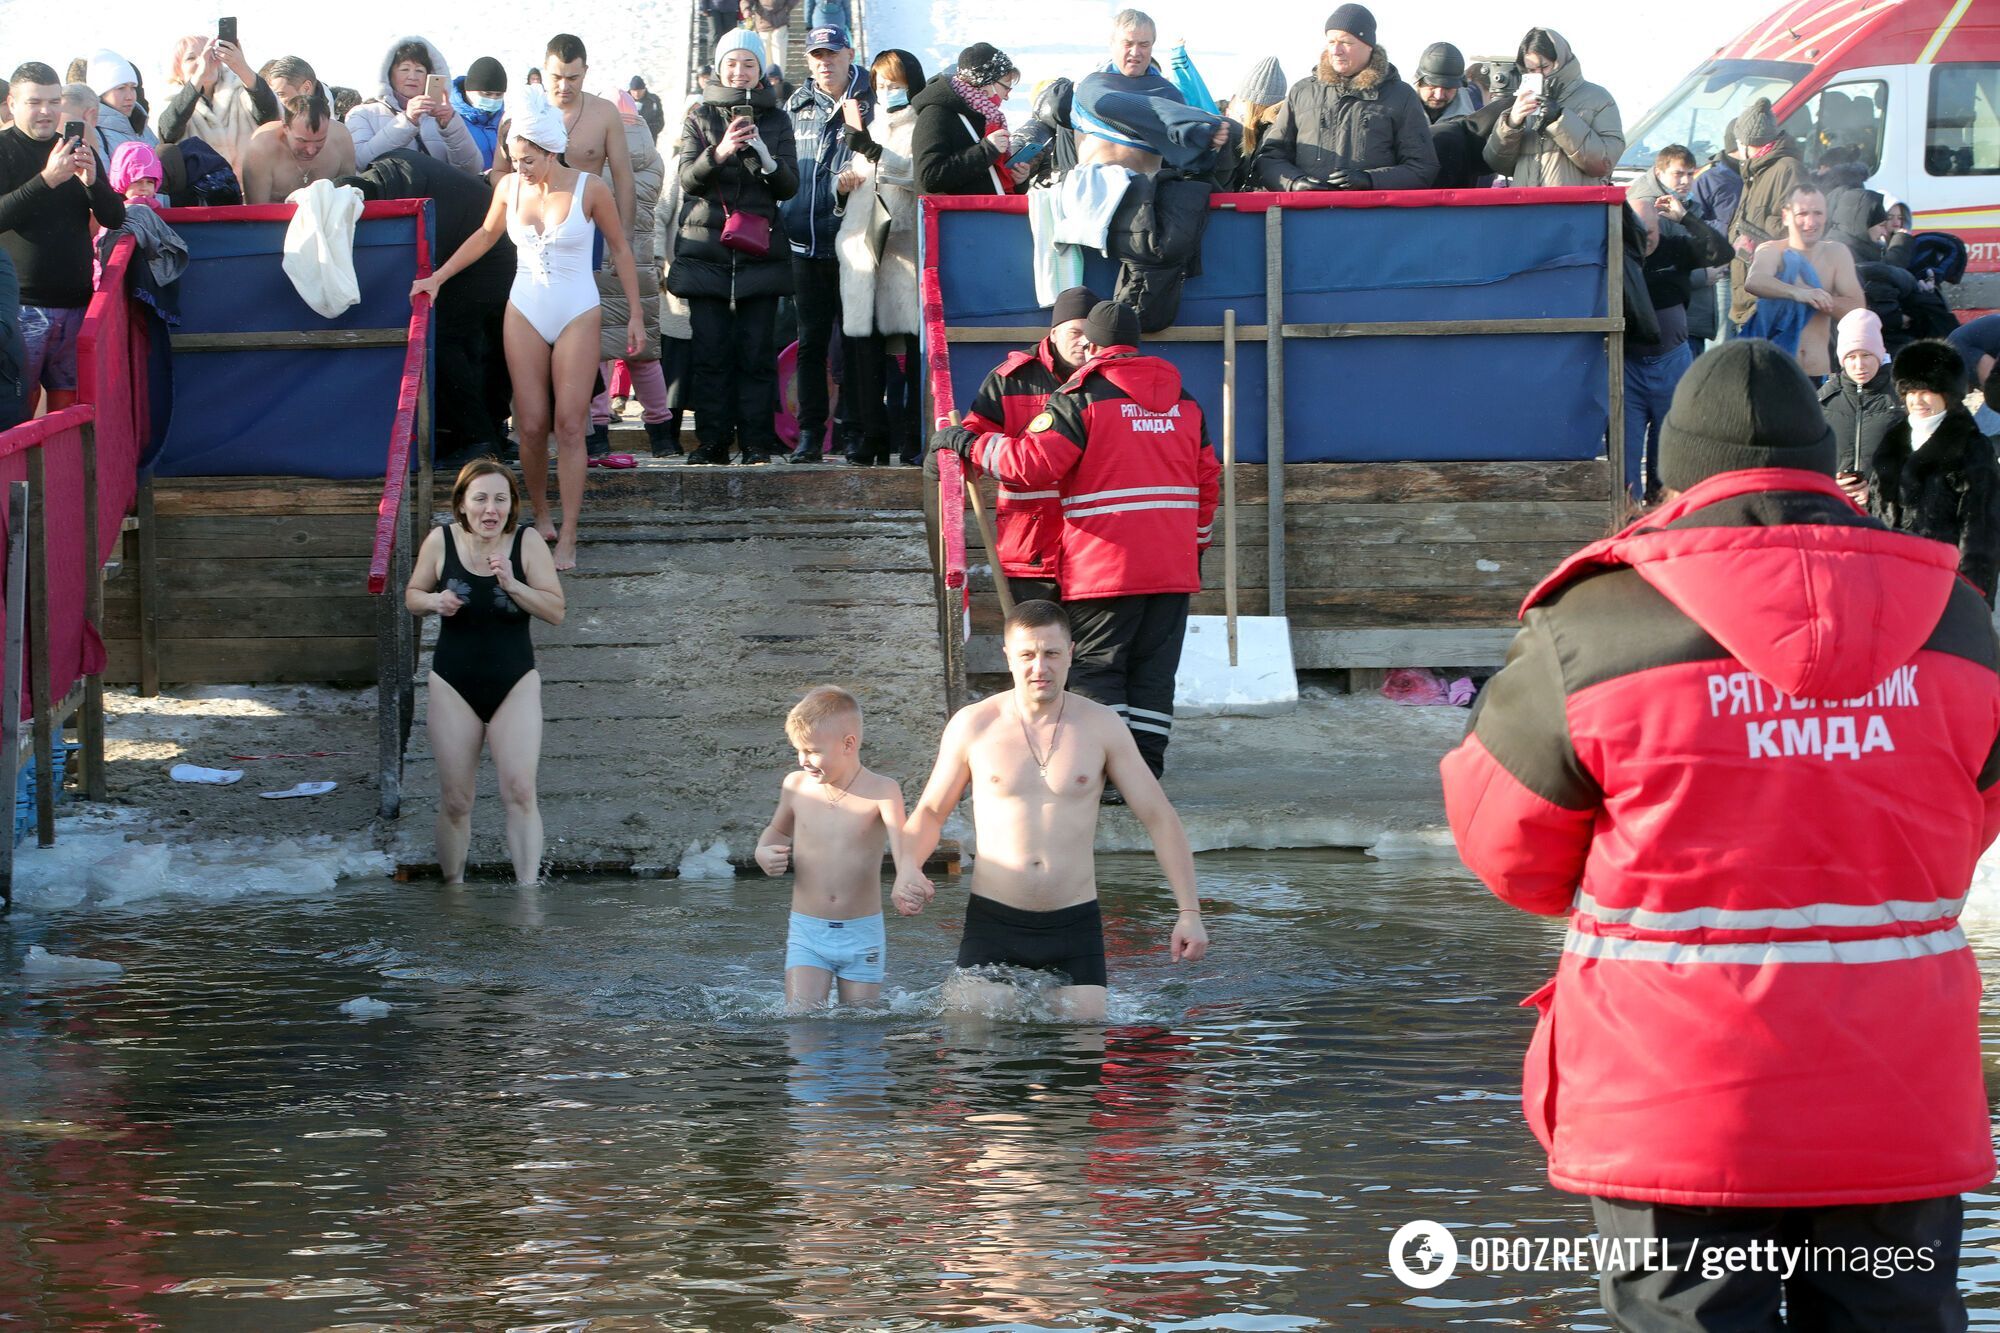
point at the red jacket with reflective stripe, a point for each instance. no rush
(1127, 451)
(1027, 524)
(1748, 747)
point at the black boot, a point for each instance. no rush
(664, 437)
(713, 451)
(598, 442)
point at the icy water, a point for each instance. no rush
(583, 1110)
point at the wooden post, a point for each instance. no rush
(90, 720)
(149, 592)
(1229, 476)
(1614, 352)
(1274, 405)
(38, 658)
(10, 674)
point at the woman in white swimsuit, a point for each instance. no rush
(552, 311)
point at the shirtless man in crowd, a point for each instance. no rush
(1037, 759)
(305, 145)
(596, 135)
(1132, 38)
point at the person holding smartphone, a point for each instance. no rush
(736, 161)
(215, 95)
(412, 110)
(1562, 129)
(50, 188)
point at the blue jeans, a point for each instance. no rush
(1649, 389)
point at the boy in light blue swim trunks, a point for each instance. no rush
(834, 819)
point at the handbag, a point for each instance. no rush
(879, 220)
(747, 233)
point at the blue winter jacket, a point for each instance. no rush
(820, 134)
(484, 126)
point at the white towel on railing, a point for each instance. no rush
(319, 246)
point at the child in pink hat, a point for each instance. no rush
(137, 174)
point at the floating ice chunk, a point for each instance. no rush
(41, 963)
(1487, 566)
(365, 1007)
(710, 862)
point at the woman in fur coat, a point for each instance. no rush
(878, 294)
(1935, 475)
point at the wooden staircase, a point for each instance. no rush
(705, 602)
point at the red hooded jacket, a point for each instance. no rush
(1126, 450)
(1027, 524)
(1748, 747)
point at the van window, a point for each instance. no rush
(1963, 136)
(1843, 122)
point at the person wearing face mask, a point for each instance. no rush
(878, 271)
(1935, 474)
(479, 97)
(736, 160)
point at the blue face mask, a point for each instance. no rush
(896, 98)
(480, 103)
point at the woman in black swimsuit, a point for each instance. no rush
(485, 575)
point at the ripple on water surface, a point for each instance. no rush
(584, 1107)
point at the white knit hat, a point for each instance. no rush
(107, 70)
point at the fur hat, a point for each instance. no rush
(1931, 364)
(1353, 19)
(1112, 324)
(1744, 404)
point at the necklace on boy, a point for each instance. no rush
(836, 800)
(1042, 761)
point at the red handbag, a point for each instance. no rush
(749, 233)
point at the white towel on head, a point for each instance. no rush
(531, 116)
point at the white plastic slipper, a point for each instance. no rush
(303, 789)
(221, 777)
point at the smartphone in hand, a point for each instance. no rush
(72, 131)
(434, 87)
(1534, 84)
(225, 31)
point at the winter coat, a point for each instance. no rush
(1139, 503)
(13, 350)
(1579, 147)
(710, 191)
(880, 296)
(648, 173)
(819, 137)
(224, 120)
(379, 126)
(1745, 1015)
(1716, 193)
(1949, 491)
(1027, 525)
(1460, 142)
(114, 127)
(654, 113)
(1768, 181)
(1860, 416)
(483, 126)
(1373, 122)
(948, 143)
(676, 320)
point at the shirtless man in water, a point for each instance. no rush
(1037, 758)
(596, 134)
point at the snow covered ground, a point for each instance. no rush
(1638, 51)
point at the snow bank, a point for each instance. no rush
(97, 862)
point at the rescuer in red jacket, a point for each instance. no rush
(1027, 524)
(1748, 747)
(1126, 450)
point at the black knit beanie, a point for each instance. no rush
(983, 63)
(1115, 324)
(1744, 404)
(1353, 19)
(1076, 303)
(486, 75)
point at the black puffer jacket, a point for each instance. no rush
(1949, 491)
(1861, 417)
(1373, 122)
(710, 191)
(950, 159)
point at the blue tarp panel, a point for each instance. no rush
(1351, 399)
(314, 412)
